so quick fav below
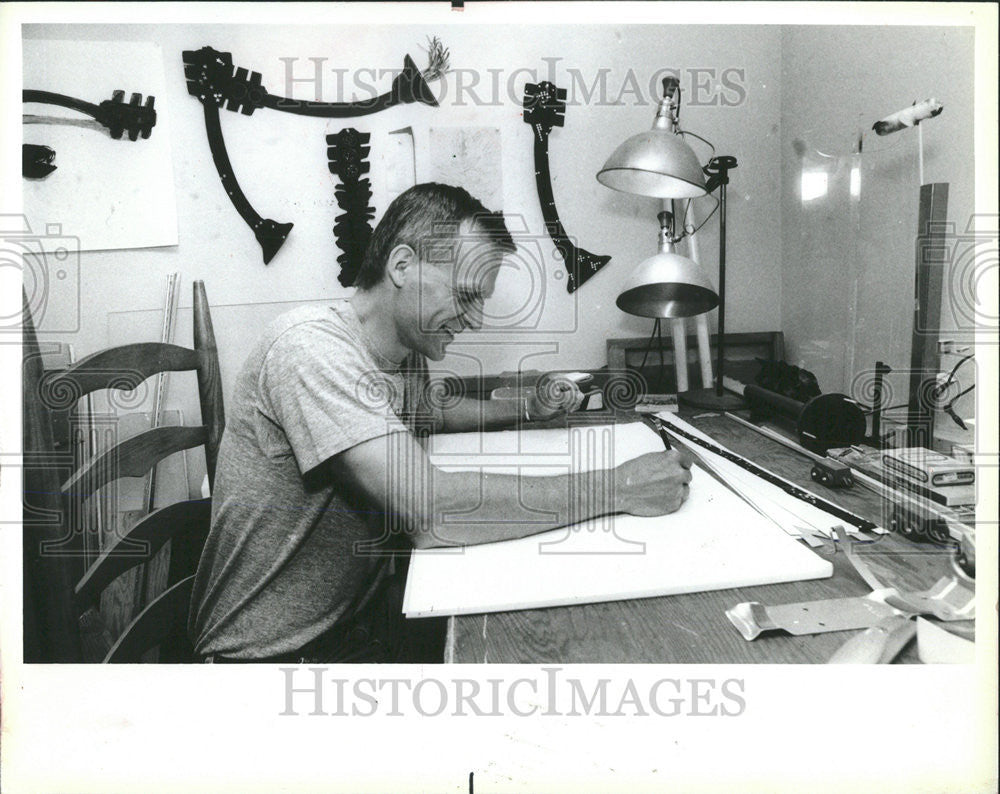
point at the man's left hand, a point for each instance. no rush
(555, 394)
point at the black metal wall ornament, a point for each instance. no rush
(346, 153)
(36, 161)
(210, 78)
(135, 118)
(214, 80)
(545, 108)
(117, 117)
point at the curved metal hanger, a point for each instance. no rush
(545, 108)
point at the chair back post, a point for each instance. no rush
(48, 580)
(209, 379)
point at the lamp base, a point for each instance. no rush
(707, 398)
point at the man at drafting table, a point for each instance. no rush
(320, 474)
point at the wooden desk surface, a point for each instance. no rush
(693, 628)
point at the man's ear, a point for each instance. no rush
(401, 265)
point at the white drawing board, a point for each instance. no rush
(715, 541)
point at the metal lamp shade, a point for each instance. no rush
(667, 285)
(654, 163)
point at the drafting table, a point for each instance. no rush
(692, 628)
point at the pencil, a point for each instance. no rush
(658, 424)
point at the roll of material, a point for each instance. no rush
(908, 117)
(829, 420)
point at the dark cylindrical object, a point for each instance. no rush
(765, 401)
(829, 420)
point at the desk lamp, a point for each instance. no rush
(659, 163)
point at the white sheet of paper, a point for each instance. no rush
(105, 193)
(715, 541)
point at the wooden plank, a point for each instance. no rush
(152, 579)
(164, 619)
(767, 344)
(134, 457)
(122, 367)
(931, 256)
(125, 505)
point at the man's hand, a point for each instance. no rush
(555, 394)
(653, 484)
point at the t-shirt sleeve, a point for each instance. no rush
(315, 385)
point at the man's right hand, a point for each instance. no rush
(653, 484)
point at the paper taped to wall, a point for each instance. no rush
(108, 193)
(715, 541)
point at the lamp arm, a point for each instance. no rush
(717, 170)
(708, 143)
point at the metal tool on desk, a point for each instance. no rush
(948, 600)
(885, 614)
(788, 487)
(879, 644)
(826, 471)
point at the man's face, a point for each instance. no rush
(454, 278)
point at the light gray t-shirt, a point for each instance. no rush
(282, 563)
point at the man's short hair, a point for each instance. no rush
(422, 214)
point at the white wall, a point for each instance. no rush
(280, 160)
(848, 261)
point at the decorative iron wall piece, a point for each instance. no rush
(545, 108)
(210, 77)
(135, 118)
(36, 161)
(346, 153)
(214, 80)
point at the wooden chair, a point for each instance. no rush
(163, 621)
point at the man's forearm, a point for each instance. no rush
(469, 415)
(470, 508)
